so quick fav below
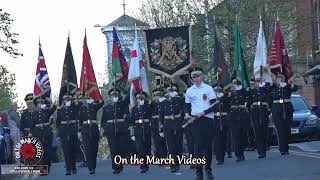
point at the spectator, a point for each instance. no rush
(13, 114)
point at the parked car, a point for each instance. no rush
(305, 123)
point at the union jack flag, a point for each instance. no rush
(42, 83)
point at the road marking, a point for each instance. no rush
(299, 153)
(306, 154)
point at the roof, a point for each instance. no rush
(313, 71)
(125, 21)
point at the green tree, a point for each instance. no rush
(8, 39)
(7, 84)
(222, 13)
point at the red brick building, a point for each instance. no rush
(308, 34)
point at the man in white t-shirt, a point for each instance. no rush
(198, 100)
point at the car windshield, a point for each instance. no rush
(299, 104)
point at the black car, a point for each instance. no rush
(305, 124)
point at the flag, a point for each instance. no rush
(120, 66)
(220, 66)
(240, 67)
(42, 83)
(279, 59)
(69, 84)
(88, 82)
(137, 73)
(260, 66)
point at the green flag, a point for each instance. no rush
(240, 69)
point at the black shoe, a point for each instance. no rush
(68, 173)
(116, 171)
(209, 175)
(199, 176)
(263, 155)
(84, 164)
(239, 159)
(283, 153)
(229, 155)
(144, 170)
(175, 169)
(92, 172)
(220, 163)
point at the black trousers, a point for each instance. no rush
(229, 141)
(174, 136)
(70, 150)
(202, 132)
(251, 142)
(118, 144)
(260, 127)
(143, 146)
(188, 135)
(159, 142)
(283, 129)
(220, 142)
(46, 141)
(240, 141)
(91, 146)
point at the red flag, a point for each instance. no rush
(137, 73)
(279, 59)
(88, 83)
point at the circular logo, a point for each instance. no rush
(28, 151)
(205, 97)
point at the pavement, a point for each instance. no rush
(299, 165)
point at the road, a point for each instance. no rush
(299, 165)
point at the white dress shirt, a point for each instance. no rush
(200, 97)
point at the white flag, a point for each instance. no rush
(260, 60)
(137, 73)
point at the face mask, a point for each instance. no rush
(115, 99)
(155, 98)
(140, 102)
(30, 105)
(238, 87)
(89, 101)
(278, 81)
(220, 94)
(262, 84)
(68, 103)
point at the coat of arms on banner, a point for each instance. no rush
(168, 50)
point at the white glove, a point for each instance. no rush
(80, 136)
(1, 137)
(262, 84)
(283, 84)
(133, 138)
(162, 99)
(161, 134)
